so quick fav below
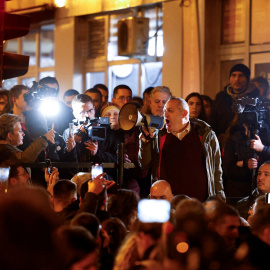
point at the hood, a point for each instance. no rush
(251, 91)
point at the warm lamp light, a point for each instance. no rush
(60, 3)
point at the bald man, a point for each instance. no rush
(161, 190)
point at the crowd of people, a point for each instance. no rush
(207, 164)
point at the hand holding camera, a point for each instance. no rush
(256, 144)
(92, 146)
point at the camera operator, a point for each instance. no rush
(65, 116)
(85, 148)
(238, 87)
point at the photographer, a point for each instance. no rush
(85, 148)
(63, 118)
(11, 136)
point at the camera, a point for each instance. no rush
(252, 111)
(38, 93)
(95, 129)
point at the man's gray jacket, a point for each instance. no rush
(149, 156)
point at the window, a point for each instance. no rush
(39, 45)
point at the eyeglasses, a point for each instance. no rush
(124, 98)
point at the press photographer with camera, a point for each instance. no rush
(11, 136)
(64, 117)
(90, 149)
(246, 144)
(238, 87)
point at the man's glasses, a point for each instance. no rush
(124, 98)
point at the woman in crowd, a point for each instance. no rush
(207, 106)
(196, 106)
(11, 136)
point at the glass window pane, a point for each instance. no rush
(29, 47)
(93, 78)
(7, 84)
(47, 46)
(28, 81)
(151, 75)
(124, 74)
(11, 46)
(45, 74)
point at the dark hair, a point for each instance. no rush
(177, 199)
(148, 91)
(121, 86)
(4, 92)
(27, 221)
(260, 220)
(94, 91)
(138, 101)
(63, 189)
(101, 86)
(88, 221)
(48, 80)
(266, 162)
(202, 115)
(81, 98)
(116, 230)
(123, 204)
(14, 170)
(222, 210)
(207, 99)
(70, 92)
(15, 91)
(74, 243)
(263, 83)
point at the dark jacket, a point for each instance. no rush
(244, 205)
(149, 156)
(222, 113)
(237, 149)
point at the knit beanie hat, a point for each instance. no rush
(107, 107)
(242, 68)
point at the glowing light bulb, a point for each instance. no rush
(182, 247)
(60, 3)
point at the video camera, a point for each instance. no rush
(252, 111)
(95, 129)
(38, 93)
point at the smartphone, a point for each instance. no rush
(71, 130)
(4, 175)
(154, 211)
(96, 170)
(49, 166)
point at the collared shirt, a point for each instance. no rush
(183, 133)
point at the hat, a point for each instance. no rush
(107, 107)
(242, 68)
